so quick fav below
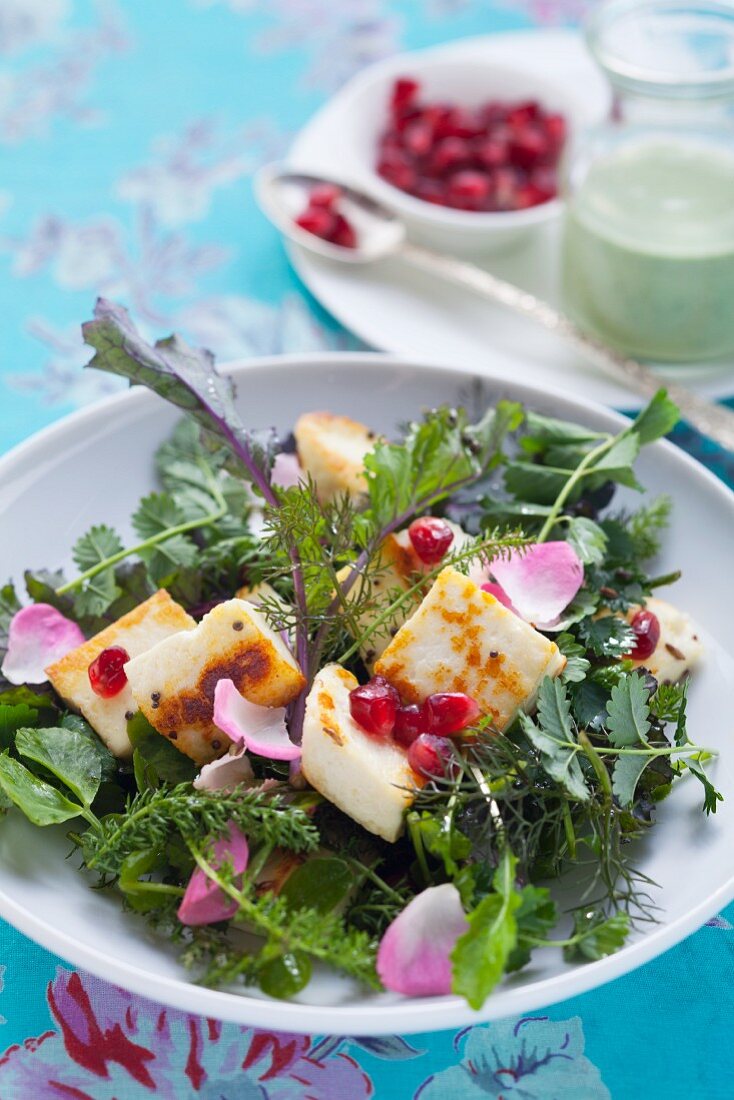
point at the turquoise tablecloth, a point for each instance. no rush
(128, 132)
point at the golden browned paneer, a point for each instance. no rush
(462, 639)
(369, 779)
(331, 450)
(394, 569)
(173, 683)
(139, 630)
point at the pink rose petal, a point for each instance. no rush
(262, 729)
(499, 593)
(540, 581)
(39, 636)
(204, 902)
(226, 772)
(414, 954)
(287, 471)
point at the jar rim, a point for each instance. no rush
(670, 48)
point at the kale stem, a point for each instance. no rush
(581, 470)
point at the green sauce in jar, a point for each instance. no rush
(648, 258)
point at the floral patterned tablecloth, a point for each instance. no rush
(128, 132)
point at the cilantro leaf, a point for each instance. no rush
(156, 513)
(628, 712)
(554, 737)
(97, 545)
(480, 956)
(609, 636)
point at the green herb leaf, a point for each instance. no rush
(554, 738)
(480, 956)
(108, 767)
(321, 883)
(545, 430)
(286, 975)
(13, 718)
(588, 540)
(609, 636)
(628, 709)
(41, 803)
(625, 775)
(97, 593)
(658, 418)
(645, 526)
(442, 838)
(161, 760)
(536, 917)
(576, 663)
(598, 936)
(67, 754)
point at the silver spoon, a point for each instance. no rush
(282, 196)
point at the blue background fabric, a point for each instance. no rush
(128, 134)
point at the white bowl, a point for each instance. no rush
(467, 83)
(94, 466)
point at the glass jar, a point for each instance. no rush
(648, 247)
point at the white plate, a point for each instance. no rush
(93, 467)
(397, 309)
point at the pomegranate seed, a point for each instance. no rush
(107, 673)
(325, 194)
(431, 538)
(410, 722)
(418, 138)
(404, 91)
(506, 184)
(398, 174)
(343, 234)
(523, 113)
(469, 189)
(461, 123)
(450, 711)
(555, 130)
(374, 706)
(449, 154)
(429, 755)
(646, 626)
(492, 113)
(492, 152)
(318, 221)
(528, 147)
(545, 181)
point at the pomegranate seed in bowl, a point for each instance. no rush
(474, 159)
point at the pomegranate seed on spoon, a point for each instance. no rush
(646, 626)
(374, 706)
(431, 538)
(106, 673)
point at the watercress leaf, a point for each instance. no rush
(321, 883)
(537, 484)
(599, 936)
(67, 754)
(170, 765)
(547, 429)
(41, 803)
(576, 663)
(536, 917)
(286, 974)
(609, 636)
(480, 956)
(588, 540)
(625, 775)
(13, 718)
(628, 712)
(107, 763)
(658, 418)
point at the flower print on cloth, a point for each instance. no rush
(532, 1058)
(112, 1045)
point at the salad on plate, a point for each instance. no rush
(368, 703)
